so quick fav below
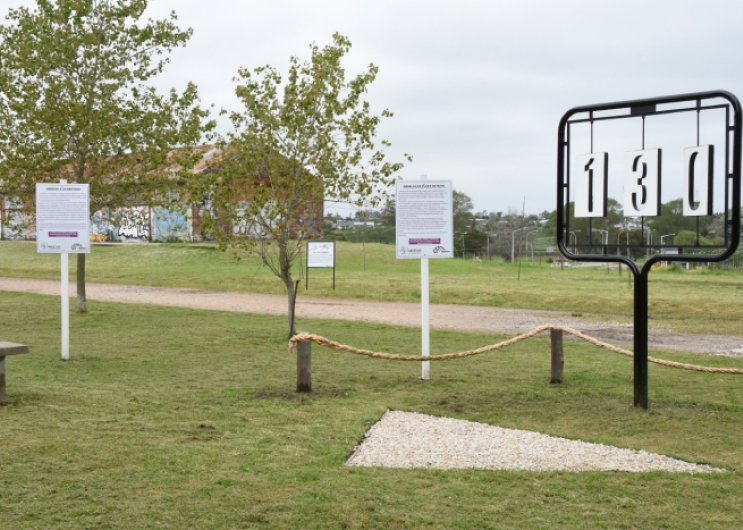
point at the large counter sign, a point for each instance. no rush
(423, 219)
(645, 153)
(63, 218)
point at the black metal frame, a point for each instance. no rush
(642, 108)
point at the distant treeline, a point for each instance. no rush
(377, 234)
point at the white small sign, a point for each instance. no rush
(590, 185)
(320, 254)
(63, 218)
(698, 172)
(424, 226)
(642, 183)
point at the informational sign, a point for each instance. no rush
(63, 218)
(423, 219)
(320, 254)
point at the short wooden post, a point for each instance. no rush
(304, 366)
(557, 358)
(2, 377)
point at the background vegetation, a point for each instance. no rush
(699, 301)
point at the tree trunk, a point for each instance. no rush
(291, 288)
(82, 300)
(285, 270)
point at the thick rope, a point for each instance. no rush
(322, 341)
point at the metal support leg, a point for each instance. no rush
(641, 340)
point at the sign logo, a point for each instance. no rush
(407, 250)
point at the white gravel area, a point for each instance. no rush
(413, 440)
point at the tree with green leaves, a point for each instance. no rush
(672, 220)
(298, 140)
(461, 211)
(586, 230)
(75, 105)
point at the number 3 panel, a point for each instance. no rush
(642, 183)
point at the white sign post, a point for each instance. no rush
(63, 227)
(424, 228)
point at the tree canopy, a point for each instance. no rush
(298, 140)
(74, 103)
(461, 211)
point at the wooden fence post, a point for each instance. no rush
(304, 366)
(557, 358)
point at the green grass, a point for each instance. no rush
(172, 418)
(690, 301)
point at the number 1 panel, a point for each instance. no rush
(590, 184)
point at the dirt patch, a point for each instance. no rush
(444, 316)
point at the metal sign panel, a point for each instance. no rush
(642, 154)
(590, 185)
(63, 218)
(642, 182)
(424, 226)
(320, 254)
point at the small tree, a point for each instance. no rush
(73, 105)
(294, 144)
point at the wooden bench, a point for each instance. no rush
(8, 348)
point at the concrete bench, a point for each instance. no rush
(8, 348)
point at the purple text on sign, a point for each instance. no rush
(424, 241)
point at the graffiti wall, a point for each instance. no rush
(101, 228)
(140, 225)
(13, 222)
(132, 225)
(168, 225)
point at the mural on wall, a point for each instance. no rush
(170, 225)
(13, 222)
(101, 228)
(134, 225)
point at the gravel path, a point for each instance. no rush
(476, 318)
(412, 440)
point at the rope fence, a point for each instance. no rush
(322, 341)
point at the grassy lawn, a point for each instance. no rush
(690, 301)
(172, 418)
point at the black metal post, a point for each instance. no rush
(641, 338)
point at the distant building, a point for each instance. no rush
(144, 223)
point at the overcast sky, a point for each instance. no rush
(477, 87)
